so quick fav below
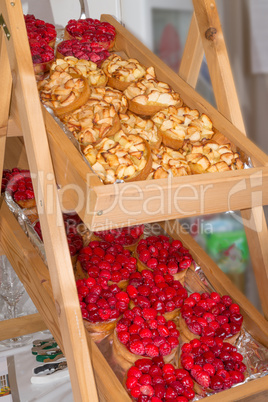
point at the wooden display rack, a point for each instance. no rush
(29, 136)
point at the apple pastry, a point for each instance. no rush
(145, 128)
(121, 73)
(177, 124)
(120, 157)
(92, 121)
(63, 93)
(78, 68)
(207, 156)
(148, 95)
(166, 161)
(111, 96)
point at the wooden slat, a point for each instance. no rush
(192, 57)
(57, 251)
(228, 104)
(20, 326)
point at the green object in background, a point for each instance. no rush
(229, 250)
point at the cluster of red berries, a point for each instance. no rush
(83, 49)
(93, 31)
(209, 314)
(107, 262)
(41, 52)
(157, 252)
(18, 183)
(42, 38)
(156, 381)
(156, 290)
(145, 333)
(125, 236)
(99, 304)
(40, 30)
(213, 363)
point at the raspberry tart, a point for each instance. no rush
(121, 73)
(18, 184)
(106, 262)
(143, 333)
(63, 93)
(126, 237)
(82, 50)
(145, 128)
(148, 96)
(101, 305)
(92, 122)
(213, 364)
(92, 30)
(156, 291)
(42, 56)
(120, 157)
(77, 68)
(40, 30)
(168, 162)
(179, 124)
(209, 314)
(154, 380)
(163, 254)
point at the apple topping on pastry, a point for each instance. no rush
(148, 95)
(111, 96)
(120, 157)
(167, 161)
(122, 72)
(63, 93)
(145, 128)
(92, 121)
(77, 68)
(179, 124)
(207, 156)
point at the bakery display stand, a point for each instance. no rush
(29, 136)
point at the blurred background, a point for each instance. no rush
(162, 25)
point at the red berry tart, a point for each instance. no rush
(156, 381)
(20, 187)
(213, 364)
(126, 237)
(143, 333)
(209, 314)
(42, 56)
(82, 50)
(94, 31)
(158, 291)
(101, 305)
(40, 30)
(163, 254)
(111, 263)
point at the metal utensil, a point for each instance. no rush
(83, 12)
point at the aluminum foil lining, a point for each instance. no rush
(26, 219)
